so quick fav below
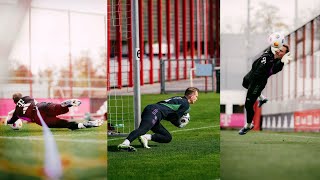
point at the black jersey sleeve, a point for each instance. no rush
(278, 66)
(176, 122)
(13, 119)
(23, 109)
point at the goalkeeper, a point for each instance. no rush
(170, 109)
(269, 63)
(26, 109)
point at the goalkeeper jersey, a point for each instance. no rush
(24, 110)
(265, 66)
(174, 108)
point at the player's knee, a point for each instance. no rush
(167, 138)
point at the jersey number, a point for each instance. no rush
(21, 103)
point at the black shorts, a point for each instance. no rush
(254, 91)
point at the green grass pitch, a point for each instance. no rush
(270, 155)
(83, 152)
(193, 153)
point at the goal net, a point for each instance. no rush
(119, 67)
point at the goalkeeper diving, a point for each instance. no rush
(269, 63)
(175, 109)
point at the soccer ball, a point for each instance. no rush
(184, 120)
(276, 40)
(17, 125)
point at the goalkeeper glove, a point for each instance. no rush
(184, 120)
(9, 116)
(286, 58)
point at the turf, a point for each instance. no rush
(270, 155)
(83, 152)
(194, 152)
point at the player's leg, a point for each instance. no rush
(253, 93)
(148, 120)
(54, 122)
(161, 134)
(52, 109)
(143, 129)
(262, 100)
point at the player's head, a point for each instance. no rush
(16, 97)
(191, 94)
(282, 51)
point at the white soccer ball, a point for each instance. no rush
(17, 125)
(184, 120)
(276, 40)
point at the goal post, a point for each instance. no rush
(124, 97)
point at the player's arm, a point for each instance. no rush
(12, 117)
(183, 109)
(175, 117)
(182, 121)
(277, 67)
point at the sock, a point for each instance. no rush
(81, 126)
(248, 125)
(262, 97)
(148, 136)
(126, 142)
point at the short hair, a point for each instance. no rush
(287, 47)
(190, 90)
(16, 97)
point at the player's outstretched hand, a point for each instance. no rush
(286, 58)
(184, 120)
(9, 116)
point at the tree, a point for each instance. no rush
(46, 75)
(84, 74)
(266, 19)
(21, 73)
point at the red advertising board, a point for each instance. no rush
(307, 120)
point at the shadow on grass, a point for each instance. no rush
(114, 148)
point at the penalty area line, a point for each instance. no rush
(182, 130)
(37, 138)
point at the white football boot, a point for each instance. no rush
(125, 147)
(81, 126)
(144, 141)
(94, 123)
(71, 102)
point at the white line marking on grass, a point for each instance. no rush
(288, 135)
(84, 141)
(37, 138)
(113, 139)
(80, 133)
(191, 129)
